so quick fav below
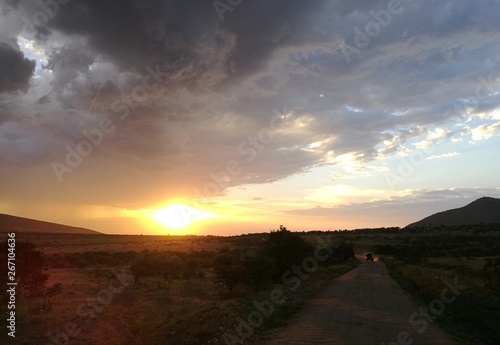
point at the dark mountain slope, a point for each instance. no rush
(10, 223)
(484, 210)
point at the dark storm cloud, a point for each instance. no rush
(115, 29)
(136, 34)
(219, 81)
(15, 69)
(188, 37)
(66, 63)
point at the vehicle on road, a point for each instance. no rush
(369, 256)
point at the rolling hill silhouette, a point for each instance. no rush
(484, 210)
(10, 223)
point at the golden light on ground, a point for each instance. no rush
(179, 216)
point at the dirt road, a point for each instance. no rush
(366, 307)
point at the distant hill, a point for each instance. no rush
(10, 223)
(484, 210)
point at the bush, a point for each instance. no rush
(163, 266)
(141, 266)
(410, 254)
(491, 271)
(343, 252)
(287, 249)
(258, 271)
(30, 264)
(189, 270)
(252, 271)
(384, 249)
(228, 272)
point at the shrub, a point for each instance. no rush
(142, 266)
(491, 273)
(189, 270)
(228, 273)
(342, 252)
(410, 254)
(163, 266)
(30, 264)
(384, 249)
(258, 271)
(287, 249)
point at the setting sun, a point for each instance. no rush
(179, 216)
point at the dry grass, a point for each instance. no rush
(147, 312)
(77, 243)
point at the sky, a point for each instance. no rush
(235, 116)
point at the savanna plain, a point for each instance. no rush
(120, 289)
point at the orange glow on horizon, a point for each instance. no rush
(179, 217)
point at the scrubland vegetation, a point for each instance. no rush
(426, 260)
(211, 290)
(190, 296)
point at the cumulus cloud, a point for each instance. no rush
(483, 132)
